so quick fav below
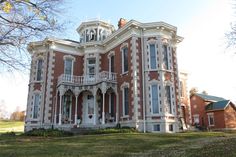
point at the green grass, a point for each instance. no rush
(7, 126)
(121, 144)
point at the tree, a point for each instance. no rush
(22, 21)
(18, 115)
(193, 91)
(204, 92)
(231, 36)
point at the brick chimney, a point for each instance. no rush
(121, 22)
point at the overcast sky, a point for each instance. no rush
(202, 53)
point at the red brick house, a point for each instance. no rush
(211, 112)
(127, 76)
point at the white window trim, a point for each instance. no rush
(172, 99)
(69, 57)
(124, 85)
(208, 117)
(37, 70)
(123, 46)
(156, 54)
(111, 54)
(123, 102)
(155, 42)
(196, 116)
(39, 108)
(163, 55)
(87, 65)
(157, 101)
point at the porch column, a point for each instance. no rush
(117, 107)
(103, 108)
(94, 112)
(60, 109)
(76, 104)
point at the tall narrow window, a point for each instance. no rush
(111, 63)
(211, 119)
(36, 106)
(125, 60)
(68, 67)
(126, 101)
(153, 57)
(168, 98)
(39, 70)
(165, 58)
(155, 104)
(91, 64)
(112, 105)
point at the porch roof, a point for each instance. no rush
(219, 105)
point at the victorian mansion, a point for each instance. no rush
(126, 76)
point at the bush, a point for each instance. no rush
(48, 133)
(113, 130)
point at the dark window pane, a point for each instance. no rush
(155, 105)
(153, 57)
(39, 69)
(112, 63)
(125, 59)
(165, 59)
(126, 101)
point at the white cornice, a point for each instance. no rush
(132, 28)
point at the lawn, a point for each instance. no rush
(132, 144)
(7, 126)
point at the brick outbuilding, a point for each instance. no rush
(211, 112)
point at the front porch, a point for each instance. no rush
(86, 102)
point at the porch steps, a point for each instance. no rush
(83, 130)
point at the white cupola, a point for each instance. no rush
(94, 30)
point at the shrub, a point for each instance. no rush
(113, 130)
(48, 133)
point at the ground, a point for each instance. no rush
(7, 125)
(123, 144)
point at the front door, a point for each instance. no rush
(89, 110)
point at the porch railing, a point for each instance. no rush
(103, 76)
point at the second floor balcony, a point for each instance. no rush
(103, 76)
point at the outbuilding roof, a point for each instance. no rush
(209, 97)
(219, 105)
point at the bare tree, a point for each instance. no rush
(231, 36)
(22, 21)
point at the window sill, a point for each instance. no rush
(36, 82)
(126, 116)
(124, 73)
